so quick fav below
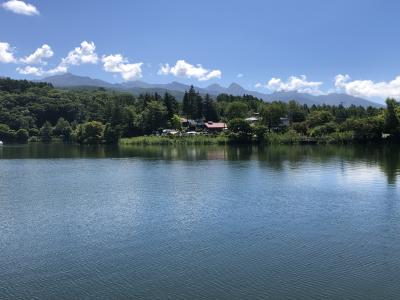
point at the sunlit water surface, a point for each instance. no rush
(199, 222)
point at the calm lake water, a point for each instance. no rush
(312, 222)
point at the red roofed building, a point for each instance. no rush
(215, 126)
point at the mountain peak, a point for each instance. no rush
(69, 80)
(234, 85)
(72, 80)
(236, 89)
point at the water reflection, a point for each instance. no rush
(386, 157)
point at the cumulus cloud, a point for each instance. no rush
(84, 54)
(6, 53)
(37, 57)
(38, 71)
(30, 70)
(293, 83)
(368, 88)
(20, 7)
(118, 64)
(184, 69)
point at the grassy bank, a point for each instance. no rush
(162, 140)
(287, 138)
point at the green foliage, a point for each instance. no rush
(260, 131)
(154, 117)
(176, 122)
(288, 137)
(301, 127)
(240, 130)
(192, 104)
(46, 132)
(22, 136)
(323, 130)
(272, 112)
(63, 130)
(28, 107)
(392, 122)
(171, 105)
(210, 109)
(90, 132)
(187, 140)
(7, 135)
(365, 129)
(111, 134)
(319, 117)
(236, 109)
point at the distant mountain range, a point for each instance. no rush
(70, 81)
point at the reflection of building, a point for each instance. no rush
(215, 126)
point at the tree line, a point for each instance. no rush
(38, 111)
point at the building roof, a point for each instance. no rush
(217, 125)
(251, 119)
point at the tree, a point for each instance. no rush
(22, 136)
(323, 130)
(260, 131)
(171, 105)
(46, 132)
(154, 117)
(296, 113)
(7, 135)
(241, 131)
(237, 109)
(192, 103)
(111, 134)
(272, 113)
(210, 111)
(176, 122)
(63, 129)
(317, 118)
(91, 132)
(392, 123)
(365, 129)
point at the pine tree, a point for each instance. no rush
(171, 105)
(210, 111)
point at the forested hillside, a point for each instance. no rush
(38, 111)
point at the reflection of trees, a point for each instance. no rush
(387, 157)
(277, 157)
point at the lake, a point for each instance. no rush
(280, 222)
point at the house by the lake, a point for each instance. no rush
(215, 126)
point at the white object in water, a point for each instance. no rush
(1, 143)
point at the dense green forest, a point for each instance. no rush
(31, 111)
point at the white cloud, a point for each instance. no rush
(57, 70)
(37, 57)
(29, 70)
(85, 54)
(368, 88)
(184, 69)
(20, 7)
(118, 64)
(6, 53)
(240, 75)
(38, 71)
(293, 83)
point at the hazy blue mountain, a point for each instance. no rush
(70, 80)
(177, 89)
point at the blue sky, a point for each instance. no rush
(310, 46)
